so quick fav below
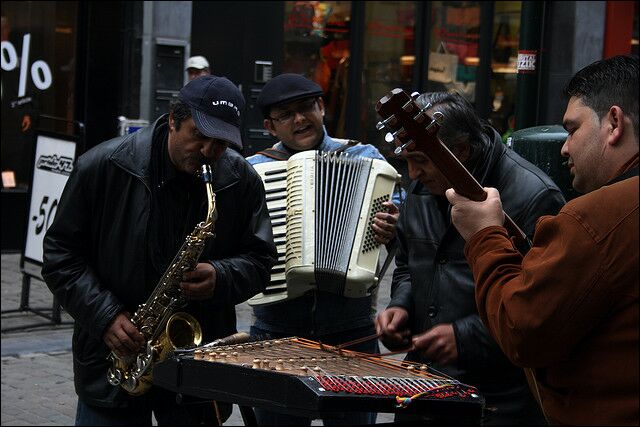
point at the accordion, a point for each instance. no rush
(321, 206)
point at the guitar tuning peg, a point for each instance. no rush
(426, 107)
(422, 113)
(398, 150)
(438, 118)
(390, 137)
(414, 95)
(408, 106)
(381, 125)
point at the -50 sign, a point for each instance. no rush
(53, 163)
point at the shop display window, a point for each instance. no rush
(453, 55)
(453, 47)
(316, 44)
(38, 78)
(504, 55)
(388, 58)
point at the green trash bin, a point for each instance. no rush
(541, 146)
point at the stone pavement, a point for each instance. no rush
(37, 377)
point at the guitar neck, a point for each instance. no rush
(465, 184)
(416, 131)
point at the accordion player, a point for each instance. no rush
(321, 206)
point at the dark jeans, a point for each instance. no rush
(161, 403)
(265, 417)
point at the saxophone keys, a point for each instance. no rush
(130, 383)
(114, 376)
(141, 363)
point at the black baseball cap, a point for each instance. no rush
(286, 88)
(215, 104)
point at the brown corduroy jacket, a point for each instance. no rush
(569, 309)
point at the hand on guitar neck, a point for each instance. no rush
(470, 216)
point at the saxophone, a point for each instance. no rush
(163, 329)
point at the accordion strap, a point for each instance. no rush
(274, 153)
(392, 248)
(346, 143)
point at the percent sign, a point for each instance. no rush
(40, 71)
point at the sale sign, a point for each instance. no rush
(54, 161)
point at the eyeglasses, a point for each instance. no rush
(302, 108)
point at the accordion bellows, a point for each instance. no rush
(321, 206)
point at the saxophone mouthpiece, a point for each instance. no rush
(206, 173)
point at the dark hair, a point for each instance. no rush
(181, 112)
(608, 82)
(460, 123)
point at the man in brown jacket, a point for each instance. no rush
(568, 310)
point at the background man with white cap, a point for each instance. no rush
(197, 66)
(126, 209)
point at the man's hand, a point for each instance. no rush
(384, 223)
(200, 283)
(438, 344)
(469, 217)
(391, 326)
(122, 337)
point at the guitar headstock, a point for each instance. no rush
(411, 127)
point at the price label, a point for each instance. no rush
(53, 163)
(527, 61)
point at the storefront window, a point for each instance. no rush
(316, 44)
(38, 78)
(453, 48)
(504, 55)
(454, 60)
(634, 33)
(388, 61)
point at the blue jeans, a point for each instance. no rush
(265, 417)
(160, 402)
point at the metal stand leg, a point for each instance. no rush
(54, 318)
(24, 295)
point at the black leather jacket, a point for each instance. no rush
(433, 281)
(95, 251)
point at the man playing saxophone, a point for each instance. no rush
(129, 206)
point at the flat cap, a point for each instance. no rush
(286, 88)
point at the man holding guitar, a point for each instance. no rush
(432, 309)
(568, 310)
